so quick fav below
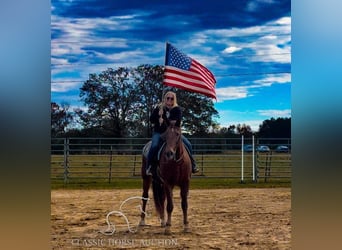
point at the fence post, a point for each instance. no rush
(253, 159)
(134, 161)
(257, 160)
(110, 164)
(202, 165)
(242, 158)
(268, 166)
(66, 160)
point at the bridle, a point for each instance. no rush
(177, 144)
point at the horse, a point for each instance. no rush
(174, 170)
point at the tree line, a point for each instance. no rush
(119, 103)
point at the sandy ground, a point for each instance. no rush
(219, 219)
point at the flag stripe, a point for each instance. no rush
(186, 73)
(181, 85)
(185, 83)
(203, 71)
(188, 77)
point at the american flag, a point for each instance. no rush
(186, 73)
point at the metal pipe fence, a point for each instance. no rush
(75, 160)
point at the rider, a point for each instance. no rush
(161, 117)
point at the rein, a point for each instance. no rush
(181, 155)
(179, 148)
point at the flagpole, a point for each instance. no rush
(163, 91)
(161, 108)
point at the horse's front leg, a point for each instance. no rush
(162, 214)
(184, 197)
(146, 187)
(169, 208)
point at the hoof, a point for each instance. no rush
(142, 223)
(186, 228)
(167, 231)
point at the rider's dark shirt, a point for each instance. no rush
(168, 115)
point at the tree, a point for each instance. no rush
(111, 100)
(121, 101)
(275, 128)
(60, 118)
(198, 112)
(231, 129)
(148, 80)
(244, 130)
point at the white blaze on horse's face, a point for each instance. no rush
(172, 139)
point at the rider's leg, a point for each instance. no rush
(189, 147)
(156, 138)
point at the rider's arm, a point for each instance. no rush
(176, 115)
(154, 118)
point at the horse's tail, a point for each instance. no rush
(158, 194)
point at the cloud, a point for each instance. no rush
(272, 79)
(234, 117)
(270, 42)
(65, 85)
(256, 5)
(231, 93)
(275, 113)
(231, 49)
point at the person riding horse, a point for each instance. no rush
(161, 118)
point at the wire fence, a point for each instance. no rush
(80, 160)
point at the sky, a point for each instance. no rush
(245, 44)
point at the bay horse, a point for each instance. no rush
(174, 170)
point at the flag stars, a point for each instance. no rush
(178, 59)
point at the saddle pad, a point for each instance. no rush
(146, 149)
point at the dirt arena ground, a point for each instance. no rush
(219, 219)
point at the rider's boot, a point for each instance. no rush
(149, 170)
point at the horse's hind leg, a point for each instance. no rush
(184, 197)
(146, 187)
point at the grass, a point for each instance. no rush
(217, 171)
(196, 183)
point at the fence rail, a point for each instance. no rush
(76, 160)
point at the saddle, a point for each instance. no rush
(147, 147)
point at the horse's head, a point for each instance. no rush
(172, 138)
